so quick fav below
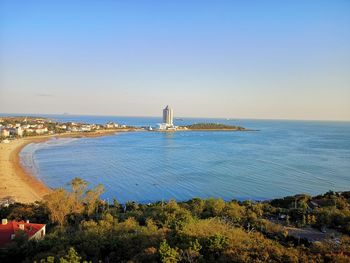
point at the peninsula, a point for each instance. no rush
(214, 127)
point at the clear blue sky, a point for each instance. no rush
(238, 59)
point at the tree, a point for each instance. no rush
(78, 186)
(71, 257)
(92, 197)
(303, 220)
(47, 260)
(214, 207)
(116, 203)
(217, 243)
(234, 211)
(196, 206)
(60, 204)
(168, 254)
(192, 254)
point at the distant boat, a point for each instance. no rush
(178, 119)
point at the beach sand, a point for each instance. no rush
(16, 182)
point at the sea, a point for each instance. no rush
(277, 159)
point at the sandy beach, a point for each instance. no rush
(16, 182)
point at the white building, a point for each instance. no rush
(5, 133)
(162, 126)
(41, 130)
(111, 125)
(168, 116)
(85, 128)
(19, 131)
(29, 130)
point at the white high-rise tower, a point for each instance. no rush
(168, 115)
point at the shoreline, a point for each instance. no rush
(16, 182)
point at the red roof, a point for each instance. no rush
(12, 227)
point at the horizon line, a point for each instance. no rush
(2, 114)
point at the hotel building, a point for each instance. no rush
(168, 116)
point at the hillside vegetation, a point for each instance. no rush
(81, 227)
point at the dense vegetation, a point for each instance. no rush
(213, 126)
(81, 227)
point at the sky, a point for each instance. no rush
(230, 59)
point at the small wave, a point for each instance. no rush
(297, 170)
(27, 154)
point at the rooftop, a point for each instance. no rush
(7, 229)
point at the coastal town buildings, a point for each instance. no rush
(111, 125)
(9, 230)
(14, 127)
(14, 131)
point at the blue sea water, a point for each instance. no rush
(282, 158)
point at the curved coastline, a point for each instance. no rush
(16, 182)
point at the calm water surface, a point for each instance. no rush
(283, 158)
